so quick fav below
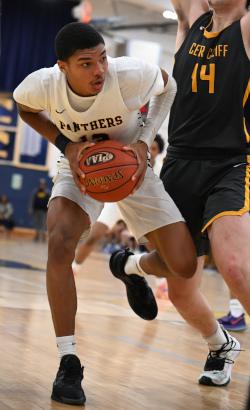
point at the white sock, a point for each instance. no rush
(66, 345)
(217, 339)
(236, 307)
(133, 265)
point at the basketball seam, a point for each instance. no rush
(103, 169)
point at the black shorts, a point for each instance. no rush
(206, 189)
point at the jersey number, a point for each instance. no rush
(210, 76)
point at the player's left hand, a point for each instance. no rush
(140, 149)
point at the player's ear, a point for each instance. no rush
(61, 65)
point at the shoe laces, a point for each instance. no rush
(221, 353)
(71, 373)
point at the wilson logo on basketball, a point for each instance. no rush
(106, 179)
(99, 158)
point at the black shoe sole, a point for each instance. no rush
(206, 381)
(65, 400)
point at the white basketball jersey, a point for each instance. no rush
(109, 114)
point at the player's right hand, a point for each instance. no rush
(73, 153)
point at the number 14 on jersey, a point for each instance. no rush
(204, 73)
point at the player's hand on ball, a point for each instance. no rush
(140, 149)
(73, 153)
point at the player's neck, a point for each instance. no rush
(222, 17)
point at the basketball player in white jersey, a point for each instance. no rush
(71, 104)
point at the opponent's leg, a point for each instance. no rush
(193, 307)
(230, 237)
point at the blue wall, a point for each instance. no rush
(28, 31)
(20, 198)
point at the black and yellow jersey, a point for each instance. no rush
(211, 111)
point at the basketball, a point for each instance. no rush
(108, 171)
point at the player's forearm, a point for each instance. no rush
(159, 107)
(41, 123)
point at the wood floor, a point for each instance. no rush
(130, 364)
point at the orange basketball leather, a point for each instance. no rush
(108, 170)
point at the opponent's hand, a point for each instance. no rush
(73, 153)
(140, 149)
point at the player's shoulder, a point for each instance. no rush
(128, 64)
(44, 75)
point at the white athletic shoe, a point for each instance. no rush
(219, 364)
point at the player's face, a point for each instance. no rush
(86, 70)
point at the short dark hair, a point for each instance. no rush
(75, 36)
(248, 4)
(160, 142)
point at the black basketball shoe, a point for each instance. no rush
(140, 296)
(67, 385)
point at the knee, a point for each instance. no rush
(233, 273)
(186, 267)
(61, 245)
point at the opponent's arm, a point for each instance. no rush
(188, 11)
(159, 107)
(40, 122)
(245, 28)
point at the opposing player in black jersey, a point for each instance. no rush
(207, 168)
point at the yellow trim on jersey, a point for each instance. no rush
(245, 98)
(241, 211)
(211, 34)
(247, 93)
(246, 131)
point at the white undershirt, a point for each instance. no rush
(79, 103)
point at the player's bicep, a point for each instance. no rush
(188, 11)
(25, 108)
(245, 28)
(197, 8)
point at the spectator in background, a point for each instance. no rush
(6, 214)
(38, 209)
(156, 148)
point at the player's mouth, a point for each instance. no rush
(98, 84)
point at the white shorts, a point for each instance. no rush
(148, 209)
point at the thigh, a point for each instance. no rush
(65, 187)
(230, 237)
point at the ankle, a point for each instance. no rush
(66, 345)
(133, 266)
